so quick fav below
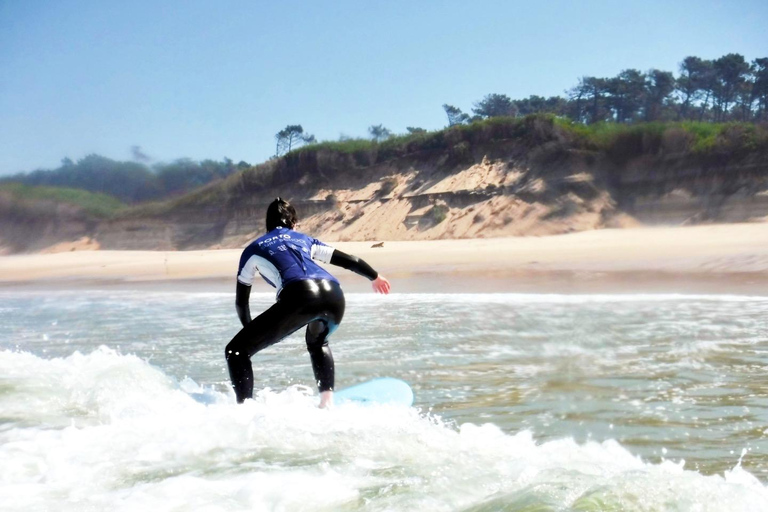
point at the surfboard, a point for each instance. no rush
(384, 390)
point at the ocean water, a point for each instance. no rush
(119, 400)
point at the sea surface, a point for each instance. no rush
(119, 400)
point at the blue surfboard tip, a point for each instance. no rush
(381, 390)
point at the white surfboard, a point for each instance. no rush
(384, 390)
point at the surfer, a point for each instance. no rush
(307, 295)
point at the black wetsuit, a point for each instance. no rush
(308, 295)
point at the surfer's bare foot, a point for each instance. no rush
(326, 399)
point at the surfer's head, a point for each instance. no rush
(280, 213)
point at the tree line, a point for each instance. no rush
(720, 90)
(131, 182)
(293, 136)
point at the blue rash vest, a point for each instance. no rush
(283, 256)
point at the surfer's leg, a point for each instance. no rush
(317, 335)
(320, 354)
(266, 329)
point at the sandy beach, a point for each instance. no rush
(729, 258)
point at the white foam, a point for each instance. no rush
(105, 431)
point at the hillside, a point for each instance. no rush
(500, 177)
(41, 218)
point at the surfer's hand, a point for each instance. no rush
(381, 285)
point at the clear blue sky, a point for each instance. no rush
(214, 79)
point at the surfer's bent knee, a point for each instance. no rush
(232, 351)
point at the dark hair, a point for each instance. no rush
(280, 213)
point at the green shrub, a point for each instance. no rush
(439, 213)
(94, 204)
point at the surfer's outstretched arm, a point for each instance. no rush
(242, 303)
(360, 267)
(353, 263)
